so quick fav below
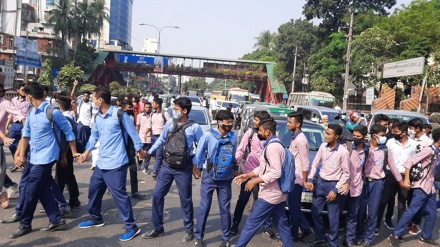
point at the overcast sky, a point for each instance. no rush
(222, 29)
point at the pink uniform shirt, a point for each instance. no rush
(22, 106)
(144, 123)
(426, 183)
(7, 110)
(253, 158)
(374, 165)
(158, 122)
(299, 147)
(356, 182)
(270, 190)
(424, 141)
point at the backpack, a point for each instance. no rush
(128, 144)
(176, 151)
(59, 135)
(220, 165)
(416, 171)
(81, 137)
(287, 179)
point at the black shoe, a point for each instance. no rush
(401, 240)
(366, 244)
(21, 231)
(153, 234)
(234, 229)
(318, 243)
(55, 226)
(154, 176)
(137, 195)
(348, 244)
(305, 233)
(74, 204)
(13, 169)
(393, 240)
(225, 243)
(199, 243)
(67, 213)
(14, 218)
(189, 236)
(358, 241)
(389, 224)
(268, 233)
(427, 241)
(376, 232)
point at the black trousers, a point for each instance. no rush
(132, 167)
(65, 176)
(390, 188)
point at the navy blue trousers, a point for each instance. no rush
(15, 133)
(39, 187)
(261, 211)
(165, 179)
(353, 204)
(370, 198)
(319, 202)
(159, 156)
(224, 194)
(146, 161)
(115, 180)
(420, 199)
(297, 218)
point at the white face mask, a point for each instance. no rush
(382, 140)
(411, 133)
(177, 114)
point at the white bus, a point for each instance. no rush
(313, 98)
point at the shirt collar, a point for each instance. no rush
(336, 147)
(109, 112)
(268, 140)
(294, 136)
(42, 106)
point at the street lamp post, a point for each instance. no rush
(159, 30)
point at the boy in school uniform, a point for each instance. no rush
(424, 193)
(333, 175)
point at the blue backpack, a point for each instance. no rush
(222, 162)
(287, 179)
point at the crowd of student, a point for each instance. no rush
(355, 169)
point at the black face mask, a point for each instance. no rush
(227, 127)
(397, 137)
(358, 141)
(130, 112)
(261, 137)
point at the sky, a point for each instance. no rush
(220, 29)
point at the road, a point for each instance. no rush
(108, 235)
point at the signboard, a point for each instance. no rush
(28, 58)
(369, 96)
(25, 44)
(322, 99)
(127, 58)
(404, 68)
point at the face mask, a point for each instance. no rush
(260, 137)
(227, 127)
(411, 133)
(397, 136)
(382, 140)
(358, 141)
(177, 114)
(130, 112)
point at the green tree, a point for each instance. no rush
(67, 76)
(60, 14)
(322, 84)
(46, 77)
(85, 56)
(265, 40)
(195, 84)
(87, 88)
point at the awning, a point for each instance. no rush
(276, 86)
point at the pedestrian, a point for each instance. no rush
(143, 127)
(354, 121)
(333, 175)
(112, 129)
(424, 193)
(158, 121)
(85, 109)
(271, 201)
(378, 159)
(299, 147)
(215, 156)
(214, 106)
(427, 128)
(250, 146)
(178, 138)
(45, 151)
(324, 121)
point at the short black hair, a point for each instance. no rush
(46, 88)
(224, 115)
(361, 129)
(402, 126)
(64, 103)
(147, 103)
(158, 101)
(336, 128)
(20, 85)
(299, 117)
(103, 93)
(269, 124)
(416, 123)
(262, 115)
(394, 121)
(381, 117)
(427, 126)
(87, 92)
(125, 102)
(184, 103)
(436, 135)
(377, 128)
(35, 90)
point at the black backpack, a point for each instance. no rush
(60, 137)
(129, 144)
(177, 153)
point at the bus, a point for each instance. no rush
(313, 98)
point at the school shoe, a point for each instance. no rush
(234, 229)
(91, 223)
(389, 224)
(376, 232)
(414, 229)
(137, 195)
(305, 233)
(55, 226)
(318, 243)
(13, 169)
(74, 204)
(14, 218)
(393, 240)
(225, 243)
(366, 244)
(189, 236)
(12, 190)
(154, 176)
(268, 233)
(21, 231)
(153, 234)
(67, 213)
(199, 243)
(4, 200)
(129, 234)
(427, 241)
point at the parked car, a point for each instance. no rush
(315, 113)
(199, 115)
(401, 115)
(195, 100)
(225, 105)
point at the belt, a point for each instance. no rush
(18, 122)
(373, 179)
(156, 135)
(328, 181)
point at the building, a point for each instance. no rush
(7, 74)
(150, 45)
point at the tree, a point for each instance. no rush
(67, 76)
(265, 40)
(322, 84)
(87, 88)
(195, 84)
(60, 14)
(46, 77)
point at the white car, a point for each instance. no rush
(195, 100)
(199, 115)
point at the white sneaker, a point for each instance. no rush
(12, 190)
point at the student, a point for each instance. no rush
(214, 145)
(424, 193)
(143, 127)
(333, 175)
(158, 121)
(378, 159)
(270, 202)
(252, 144)
(299, 148)
(427, 129)
(178, 167)
(112, 165)
(355, 184)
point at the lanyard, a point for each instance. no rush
(328, 156)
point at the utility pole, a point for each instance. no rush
(294, 70)
(347, 62)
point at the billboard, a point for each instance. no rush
(25, 44)
(152, 60)
(28, 58)
(404, 68)
(369, 96)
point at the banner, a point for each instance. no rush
(404, 68)
(127, 58)
(29, 58)
(25, 44)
